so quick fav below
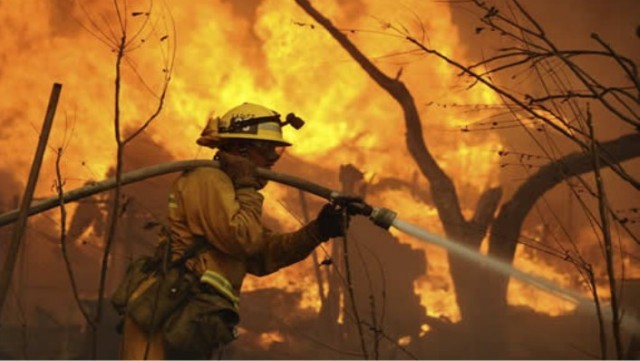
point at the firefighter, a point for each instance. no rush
(216, 237)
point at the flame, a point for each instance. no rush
(404, 341)
(527, 295)
(266, 339)
(229, 53)
(424, 328)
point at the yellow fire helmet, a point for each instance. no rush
(247, 121)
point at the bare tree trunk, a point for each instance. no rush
(608, 243)
(349, 176)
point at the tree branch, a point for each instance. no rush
(508, 224)
(442, 188)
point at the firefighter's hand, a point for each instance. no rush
(353, 204)
(331, 221)
(241, 170)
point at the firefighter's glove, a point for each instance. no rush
(241, 170)
(332, 221)
(353, 204)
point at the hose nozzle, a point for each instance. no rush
(383, 217)
(380, 216)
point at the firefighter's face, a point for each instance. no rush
(264, 154)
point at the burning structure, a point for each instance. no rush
(414, 300)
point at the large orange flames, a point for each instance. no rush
(229, 53)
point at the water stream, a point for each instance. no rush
(489, 262)
(584, 304)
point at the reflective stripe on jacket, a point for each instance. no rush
(204, 203)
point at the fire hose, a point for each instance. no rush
(380, 216)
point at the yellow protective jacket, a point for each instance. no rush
(204, 203)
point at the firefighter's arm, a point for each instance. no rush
(228, 217)
(282, 250)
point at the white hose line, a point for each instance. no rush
(490, 262)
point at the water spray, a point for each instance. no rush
(387, 218)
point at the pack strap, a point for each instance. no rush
(200, 245)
